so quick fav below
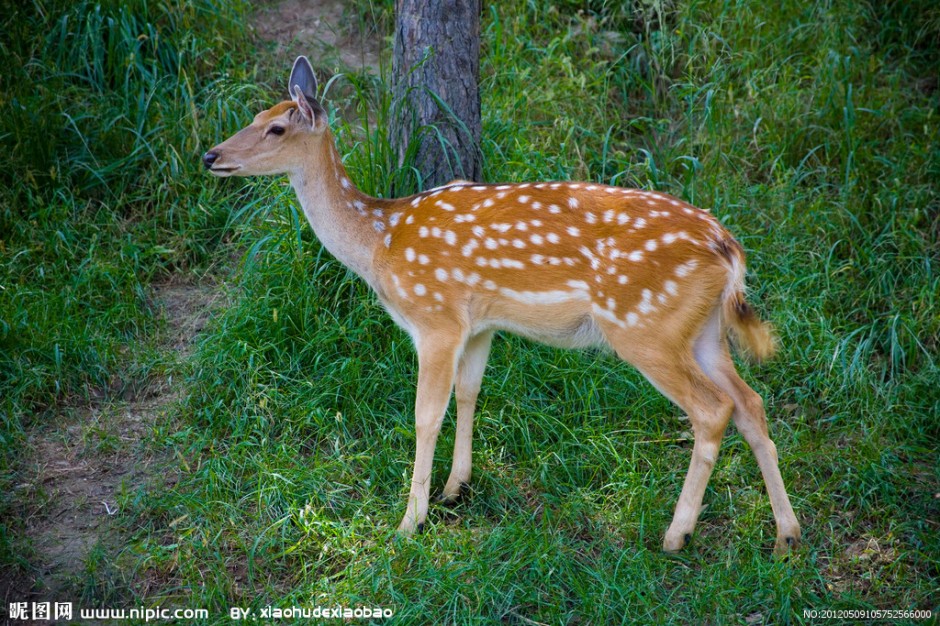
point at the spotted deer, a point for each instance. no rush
(569, 264)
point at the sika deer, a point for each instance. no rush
(569, 264)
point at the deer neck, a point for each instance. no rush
(342, 217)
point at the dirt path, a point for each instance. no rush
(79, 464)
(327, 31)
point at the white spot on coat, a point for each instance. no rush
(555, 296)
(469, 247)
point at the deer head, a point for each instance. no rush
(279, 139)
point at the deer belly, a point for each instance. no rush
(559, 324)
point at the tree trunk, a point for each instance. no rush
(435, 66)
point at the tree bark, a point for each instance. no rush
(435, 68)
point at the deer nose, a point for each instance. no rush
(209, 158)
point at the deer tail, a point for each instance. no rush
(752, 336)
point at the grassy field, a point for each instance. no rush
(811, 129)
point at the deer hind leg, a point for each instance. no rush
(672, 369)
(437, 362)
(711, 352)
(469, 377)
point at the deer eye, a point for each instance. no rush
(276, 130)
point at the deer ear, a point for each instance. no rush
(302, 76)
(302, 86)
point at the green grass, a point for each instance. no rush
(811, 129)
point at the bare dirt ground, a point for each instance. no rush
(78, 465)
(327, 31)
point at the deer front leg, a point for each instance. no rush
(437, 360)
(469, 377)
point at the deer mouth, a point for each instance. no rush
(224, 170)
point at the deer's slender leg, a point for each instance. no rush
(437, 362)
(711, 352)
(709, 410)
(672, 369)
(469, 377)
